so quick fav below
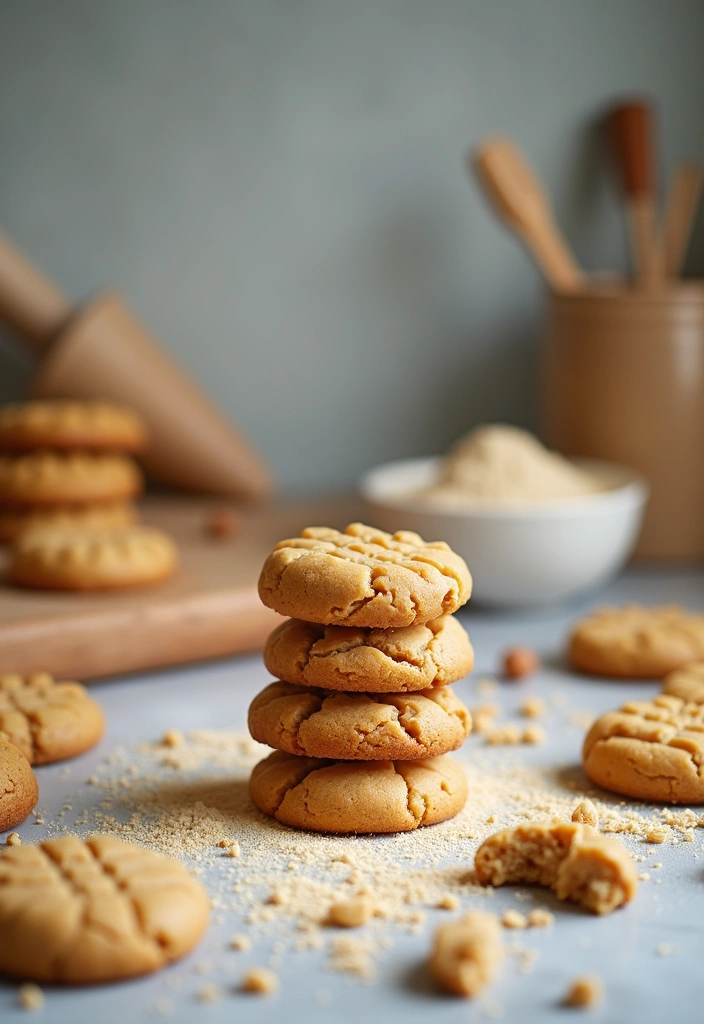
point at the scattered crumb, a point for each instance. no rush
(586, 813)
(657, 834)
(514, 919)
(467, 954)
(172, 738)
(483, 717)
(30, 997)
(260, 981)
(520, 662)
(533, 734)
(350, 955)
(540, 918)
(240, 943)
(644, 876)
(13, 839)
(220, 523)
(506, 735)
(533, 707)
(585, 992)
(209, 994)
(448, 902)
(351, 913)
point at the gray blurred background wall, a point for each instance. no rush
(278, 187)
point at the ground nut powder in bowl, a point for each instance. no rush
(534, 527)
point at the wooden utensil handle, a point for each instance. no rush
(29, 301)
(680, 214)
(554, 258)
(644, 243)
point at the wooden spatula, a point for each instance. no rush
(680, 214)
(520, 200)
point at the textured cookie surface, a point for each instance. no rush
(363, 577)
(73, 560)
(574, 860)
(370, 660)
(18, 787)
(96, 911)
(359, 726)
(687, 683)
(651, 750)
(61, 423)
(636, 642)
(56, 478)
(467, 954)
(46, 720)
(109, 515)
(357, 796)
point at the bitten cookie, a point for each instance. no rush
(69, 560)
(56, 478)
(18, 787)
(363, 577)
(651, 750)
(97, 911)
(46, 720)
(687, 683)
(61, 423)
(574, 860)
(370, 660)
(359, 726)
(358, 796)
(636, 642)
(109, 515)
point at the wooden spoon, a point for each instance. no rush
(680, 214)
(520, 200)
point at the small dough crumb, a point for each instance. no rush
(586, 813)
(467, 954)
(448, 902)
(585, 992)
(30, 997)
(507, 735)
(351, 913)
(514, 919)
(540, 918)
(534, 734)
(172, 738)
(533, 707)
(520, 662)
(657, 834)
(483, 717)
(260, 981)
(240, 943)
(13, 839)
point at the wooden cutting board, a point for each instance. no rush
(210, 609)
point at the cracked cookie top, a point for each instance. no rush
(359, 726)
(687, 683)
(650, 750)
(96, 911)
(63, 423)
(352, 658)
(363, 577)
(574, 860)
(47, 720)
(357, 796)
(636, 642)
(18, 787)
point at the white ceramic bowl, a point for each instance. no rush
(530, 555)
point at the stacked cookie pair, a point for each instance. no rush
(68, 464)
(361, 715)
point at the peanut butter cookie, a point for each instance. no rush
(348, 658)
(109, 515)
(57, 478)
(62, 424)
(359, 726)
(18, 787)
(467, 954)
(574, 860)
(46, 720)
(70, 560)
(97, 911)
(635, 642)
(357, 796)
(363, 577)
(651, 750)
(687, 683)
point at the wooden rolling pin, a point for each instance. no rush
(100, 350)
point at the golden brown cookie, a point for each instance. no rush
(359, 726)
(46, 720)
(58, 478)
(109, 515)
(363, 577)
(18, 787)
(687, 683)
(574, 860)
(97, 911)
(636, 642)
(63, 424)
(357, 796)
(370, 660)
(651, 750)
(467, 954)
(72, 560)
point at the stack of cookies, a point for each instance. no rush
(68, 464)
(362, 716)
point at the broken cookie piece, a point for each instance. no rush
(573, 859)
(467, 954)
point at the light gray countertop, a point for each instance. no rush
(641, 985)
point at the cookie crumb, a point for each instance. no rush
(260, 981)
(657, 834)
(467, 954)
(351, 913)
(209, 994)
(13, 839)
(240, 943)
(534, 734)
(231, 847)
(586, 813)
(514, 919)
(448, 902)
(172, 738)
(507, 735)
(520, 662)
(483, 717)
(585, 992)
(30, 997)
(533, 707)
(220, 523)
(540, 918)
